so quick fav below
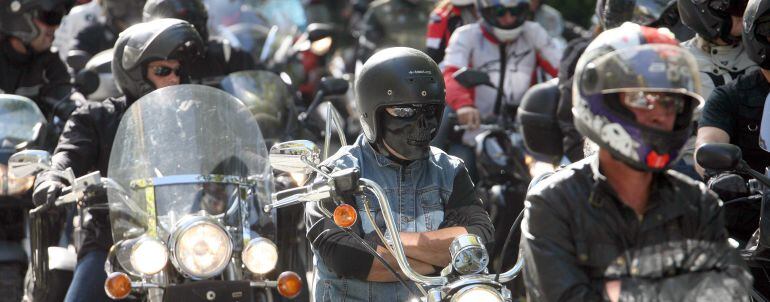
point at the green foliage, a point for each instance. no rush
(578, 11)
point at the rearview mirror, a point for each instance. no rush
(28, 163)
(718, 157)
(334, 86)
(288, 156)
(470, 78)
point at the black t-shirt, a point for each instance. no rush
(737, 109)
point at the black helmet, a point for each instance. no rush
(16, 16)
(396, 76)
(192, 11)
(539, 123)
(756, 27)
(635, 60)
(127, 11)
(140, 44)
(613, 13)
(711, 18)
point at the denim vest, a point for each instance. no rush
(417, 195)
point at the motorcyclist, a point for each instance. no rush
(502, 40)
(448, 16)
(610, 14)
(733, 113)
(118, 15)
(389, 23)
(550, 19)
(81, 16)
(219, 57)
(147, 56)
(717, 46)
(28, 66)
(400, 95)
(619, 225)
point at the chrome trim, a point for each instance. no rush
(468, 288)
(468, 242)
(513, 272)
(185, 225)
(398, 246)
(184, 179)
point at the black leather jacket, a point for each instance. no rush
(85, 146)
(42, 77)
(576, 235)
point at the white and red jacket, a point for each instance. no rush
(474, 47)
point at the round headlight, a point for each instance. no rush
(201, 248)
(148, 256)
(469, 256)
(477, 293)
(260, 256)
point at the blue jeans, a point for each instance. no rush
(88, 279)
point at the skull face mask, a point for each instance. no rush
(409, 129)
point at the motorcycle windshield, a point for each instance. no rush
(20, 119)
(267, 99)
(188, 150)
(250, 37)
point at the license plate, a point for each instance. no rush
(210, 291)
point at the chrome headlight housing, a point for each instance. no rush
(469, 256)
(260, 255)
(200, 247)
(142, 256)
(477, 293)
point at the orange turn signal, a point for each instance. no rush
(289, 284)
(117, 286)
(345, 215)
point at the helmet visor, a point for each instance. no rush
(648, 11)
(506, 16)
(650, 68)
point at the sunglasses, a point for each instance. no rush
(410, 111)
(649, 101)
(164, 71)
(500, 10)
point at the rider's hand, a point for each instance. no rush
(613, 290)
(728, 186)
(47, 192)
(536, 34)
(469, 116)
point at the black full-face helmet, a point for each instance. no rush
(711, 19)
(16, 16)
(396, 76)
(193, 11)
(756, 29)
(128, 12)
(140, 44)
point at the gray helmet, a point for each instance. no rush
(613, 13)
(756, 27)
(126, 11)
(16, 16)
(396, 76)
(711, 18)
(192, 11)
(140, 44)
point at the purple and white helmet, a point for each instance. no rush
(628, 59)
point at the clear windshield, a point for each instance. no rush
(266, 97)
(188, 150)
(20, 119)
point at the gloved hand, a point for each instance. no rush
(728, 186)
(47, 192)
